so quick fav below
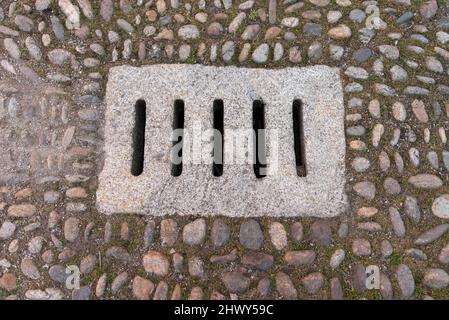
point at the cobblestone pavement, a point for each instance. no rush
(54, 58)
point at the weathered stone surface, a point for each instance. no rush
(156, 263)
(59, 57)
(230, 257)
(118, 253)
(7, 230)
(272, 33)
(21, 211)
(294, 54)
(436, 278)
(235, 282)
(161, 291)
(405, 280)
(176, 294)
(76, 193)
(118, 282)
(260, 54)
(264, 287)
(220, 233)
(82, 293)
(196, 267)
(250, 32)
(278, 235)
(71, 12)
(320, 3)
(394, 122)
(428, 9)
(148, 237)
(189, 31)
(48, 294)
(359, 277)
(285, 287)
(399, 112)
(251, 236)
(87, 264)
(258, 260)
(389, 51)
(196, 294)
(416, 254)
(57, 273)
(425, 181)
(298, 258)
(215, 29)
(397, 222)
(194, 233)
(443, 257)
(336, 289)
(412, 209)
(337, 258)
(169, 232)
(340, 32)
(42, 5)
(235, 24)
(365, 189)
(392, 186)
(431, 235)
(360, 164)
(361, 247)
(71, 229)
(313, 282)
(290, 22)
(419, 110)
(24, 23)
(321, 232)
(115, 191)
(386, 289)
(29, 269)
(8, 282)
(440, 206)
(297, 231)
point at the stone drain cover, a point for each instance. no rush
(180, 139)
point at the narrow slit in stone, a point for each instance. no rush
(178, 134)
(259, 146)
(218, 115)
(298, 134)
(140, 110)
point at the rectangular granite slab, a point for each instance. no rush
(237, 192)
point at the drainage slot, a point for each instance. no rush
(178, 133)
(259, 165)
(298, 133)
(218, 111)
(140, 110)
